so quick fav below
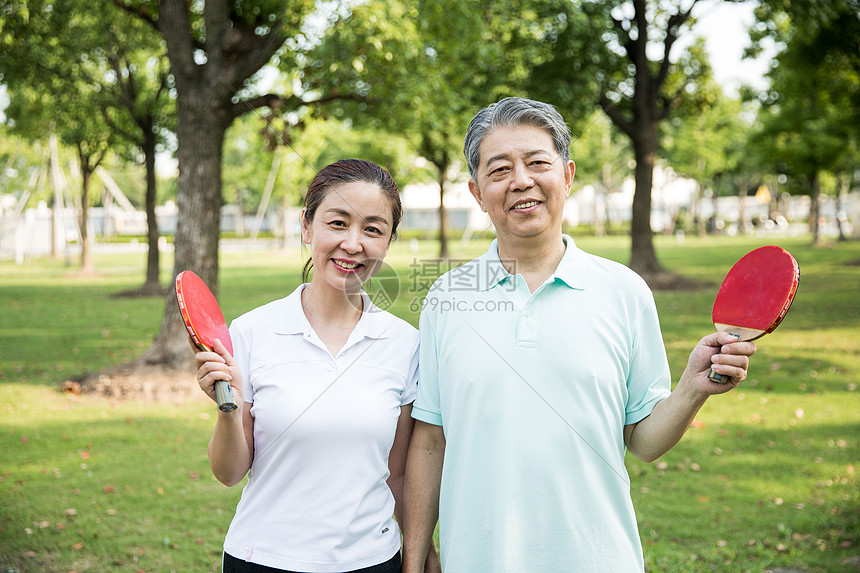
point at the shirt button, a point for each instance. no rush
(527, 313)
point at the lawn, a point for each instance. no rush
(765, 479)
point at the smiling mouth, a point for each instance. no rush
(346, 265)
(526, 205)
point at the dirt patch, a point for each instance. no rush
(138, 382)
(664, 281)
(141, 292)
(854, 263)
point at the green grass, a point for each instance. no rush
(765, 479)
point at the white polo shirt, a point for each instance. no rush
(316, 498)
(533, 390)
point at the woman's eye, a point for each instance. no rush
(337, 223)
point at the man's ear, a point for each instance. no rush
(476, 193)
(568, 176)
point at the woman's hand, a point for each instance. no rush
(216, 366)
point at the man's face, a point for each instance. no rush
(522, 182)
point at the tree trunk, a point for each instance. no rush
(201, 126)
(743, 228)
(643, 258)
(152, 284)
(814, 208)
(443, 213)
(840, 200)
(86, 245)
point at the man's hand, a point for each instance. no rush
(723, 353)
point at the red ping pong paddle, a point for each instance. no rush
(755, 295)
(205, 323)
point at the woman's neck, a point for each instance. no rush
(332, 313)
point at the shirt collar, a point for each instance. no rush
(291, 317)
(572, 270)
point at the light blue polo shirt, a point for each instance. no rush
(533, 391)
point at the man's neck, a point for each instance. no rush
(535, 258)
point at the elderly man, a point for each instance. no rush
(540, 365)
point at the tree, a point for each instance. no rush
(33, 113)
(701, 142)
(214, 48)
(605, 56)
(810, 118)
(423, 69)
(138, 111)
(601, 157)
(103, 75)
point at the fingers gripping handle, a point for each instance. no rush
(719, 378)
(224, 396)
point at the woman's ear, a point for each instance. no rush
(306, 229)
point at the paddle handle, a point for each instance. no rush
(224, 395)
(719, 378)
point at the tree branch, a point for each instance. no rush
(246, 52)
(675, 22)
(608, 107)
(125, 134)
(139, 13)
(272, 101)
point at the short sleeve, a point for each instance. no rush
(242, 356)
(426, 407)
(411, 389)
(649, 380)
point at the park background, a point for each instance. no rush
(142, 138)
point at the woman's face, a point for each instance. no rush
(349, 235)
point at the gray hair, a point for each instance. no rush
(512, 112)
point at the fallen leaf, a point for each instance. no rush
(78, 546)
(71, 512)
(698, 424)
(85, 455)
(108, 489)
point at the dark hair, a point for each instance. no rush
(350, 171)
